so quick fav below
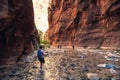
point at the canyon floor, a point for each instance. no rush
(66, 64)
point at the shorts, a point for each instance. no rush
(41, 59)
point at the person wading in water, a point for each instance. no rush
(40, 56)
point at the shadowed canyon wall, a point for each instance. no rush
(85, 23)
(17, 29)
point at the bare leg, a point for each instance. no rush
(41, 66)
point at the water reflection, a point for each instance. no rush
(63, 65)
(42, 74)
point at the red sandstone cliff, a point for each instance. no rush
(17, 30)
(85, 23)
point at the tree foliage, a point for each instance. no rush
(43, 42)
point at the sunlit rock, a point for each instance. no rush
(93, 76)
(112, 57)
(85, 23)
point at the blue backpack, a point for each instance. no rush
(39, 53)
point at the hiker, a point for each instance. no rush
(40, 56)
(59, 46)
(73, 47)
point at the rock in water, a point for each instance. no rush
(93, 76)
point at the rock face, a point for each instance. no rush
(16, 29)
(85, 23)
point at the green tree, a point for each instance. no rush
(40, 33)
(43, 42)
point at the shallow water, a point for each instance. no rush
(64, 65)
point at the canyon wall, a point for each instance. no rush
(85, 23)
(17, 29)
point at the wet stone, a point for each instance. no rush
(63, 65)
(34, 67)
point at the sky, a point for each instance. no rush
(41, 14)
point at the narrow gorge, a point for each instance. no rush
(82, 23)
